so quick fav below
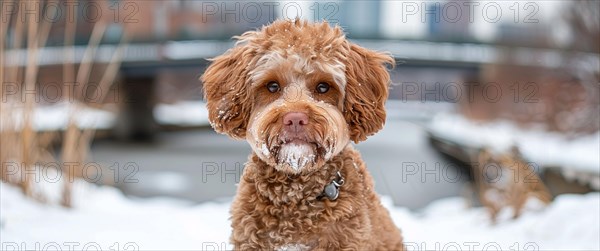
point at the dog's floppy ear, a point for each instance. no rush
(226, 91)
(367, 82)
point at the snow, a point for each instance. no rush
(55, 117)
(296, 155)
(547, 149)
(103, 217)
(571, 222)
(182, 113)
(265, 150)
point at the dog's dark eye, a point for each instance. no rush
(322, 87)
(273, 87)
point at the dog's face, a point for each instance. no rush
(297, 92)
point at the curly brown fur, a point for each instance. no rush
(299, 92)
(274, 209)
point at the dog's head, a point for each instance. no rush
(298, 92)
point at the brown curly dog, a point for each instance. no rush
(299, 92)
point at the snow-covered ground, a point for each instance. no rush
(56, 117)
(577, 157)
(182, 113)
(103, 218)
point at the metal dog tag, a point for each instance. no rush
(331, 191)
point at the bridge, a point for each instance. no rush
(140, 63)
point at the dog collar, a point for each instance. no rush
(331, 190)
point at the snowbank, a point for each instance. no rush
(182, 113)
(103, 218)
(547, 149)
(56, 117)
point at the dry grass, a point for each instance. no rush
(22, 147)
(507, 181)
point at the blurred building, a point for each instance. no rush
(150, 21)
(448, 20)
(360, 19)
(436, 43)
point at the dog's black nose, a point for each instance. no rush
(295, 120)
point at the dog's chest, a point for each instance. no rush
(294, 226)
(294, 247)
